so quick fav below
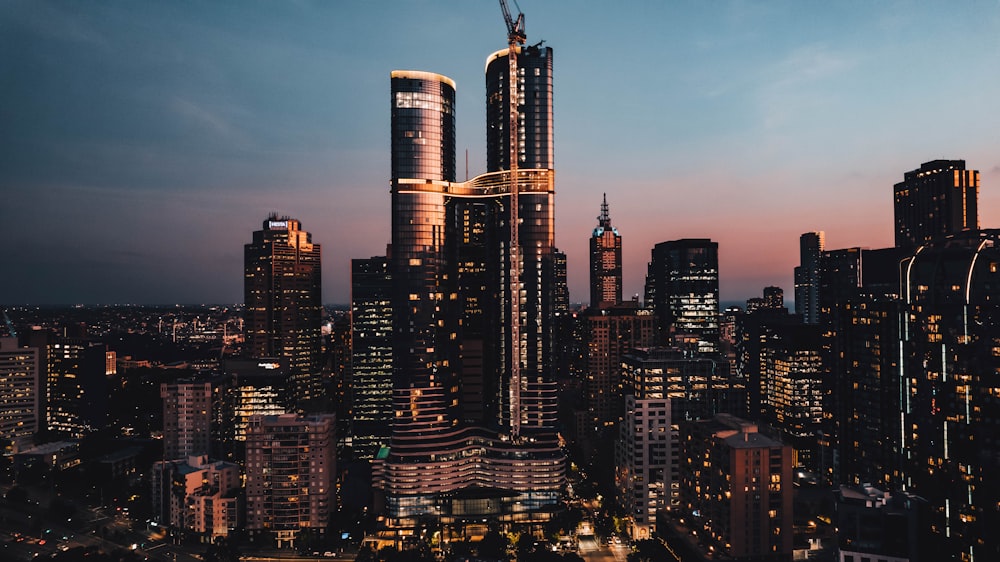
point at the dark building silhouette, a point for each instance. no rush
(605, 261)
(879, 525)
(911, 334)
(937, 199)
(284, 307)
(950, 389)
(811, 245)
(73, 371)
(682, 288)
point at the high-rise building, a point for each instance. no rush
(535, 127)
(663, 388)
(250, 387)
(948, 362)
(19, 395)
(291, 475)
(74, 371)
(682, 288)
(807, 276)
(644, 456)
(774, 297)
(911, 338)
(371, 355)
(736, 485)
(473, 362)
(873, 524)
(698, 386)
(610, 333)
(792, 378)
(284, 307)
(605, 261)
(937, 199)
(187, 419)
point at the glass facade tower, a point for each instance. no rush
(284, 307)
(451, 293)
(682, 287)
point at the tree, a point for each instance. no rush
(493, 545)
(649, 550)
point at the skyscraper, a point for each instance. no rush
(19, 394)
(611, 331)
(807, 276)
(948, 361)
(291, 475)
(605, 261)
(75, 382)
(371, 355)
(459, 312)
(682, 288)
(535, 131)
(284, 306)
(187, 419)
(937, 199)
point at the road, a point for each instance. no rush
(592, 551)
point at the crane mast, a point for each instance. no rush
(515, 38)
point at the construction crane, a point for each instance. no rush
(515, 38)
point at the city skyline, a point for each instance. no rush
(142, 143)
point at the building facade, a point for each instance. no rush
(605, 261)
(371, 355)
(644, 460)
(187, 419)
(793, 376)
(937, 199)
(682, 288)
(464, 301)
(811, 246)
(284, 306)
(736, 486)
(19, 395)
(199, 496)
(291, 475)
(950, 392)
(693, 387)
(610, 333)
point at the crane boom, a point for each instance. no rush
(515, 38)
(515, 28)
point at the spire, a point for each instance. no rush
(604, 220)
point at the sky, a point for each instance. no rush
(141, 143)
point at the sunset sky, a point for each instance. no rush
(141, 143)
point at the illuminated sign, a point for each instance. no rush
(277, 225)
(268, 365)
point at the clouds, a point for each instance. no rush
(142, 143)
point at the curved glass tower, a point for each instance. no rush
(424, 340)
(450, 260)
(534, 109)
